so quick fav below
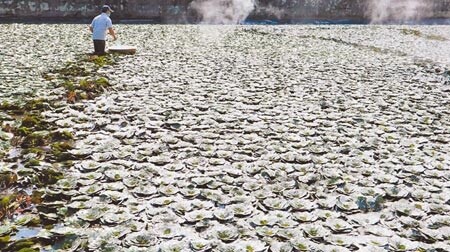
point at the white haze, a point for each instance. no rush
(381, 11)
(223, 11)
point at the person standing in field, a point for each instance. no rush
(99, 28)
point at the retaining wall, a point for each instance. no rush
(178, 11)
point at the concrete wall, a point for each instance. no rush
(178, 11)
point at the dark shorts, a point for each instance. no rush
(99, 47)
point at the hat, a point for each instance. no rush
(106, 8)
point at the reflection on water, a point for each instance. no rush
(26, 232)
(57, 242)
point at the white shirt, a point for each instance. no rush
(100, 26)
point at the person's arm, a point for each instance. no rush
(111, 30)
(91, 27)
(112, 33)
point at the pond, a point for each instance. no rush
(236, 138)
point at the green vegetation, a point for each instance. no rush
(24, 131)
(418, 33)
(61, 135)
(37, 104)
(32, 121)
(68, 85)
(411, 32)
(21, 108)
(35, 139)
(23, 246)
(35, 135)
(7, 179)
(29, 250)
(6, 106)
(32, 162)
(59, 150)
(101, 61)
(72, 70)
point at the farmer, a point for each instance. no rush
(99, 26)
